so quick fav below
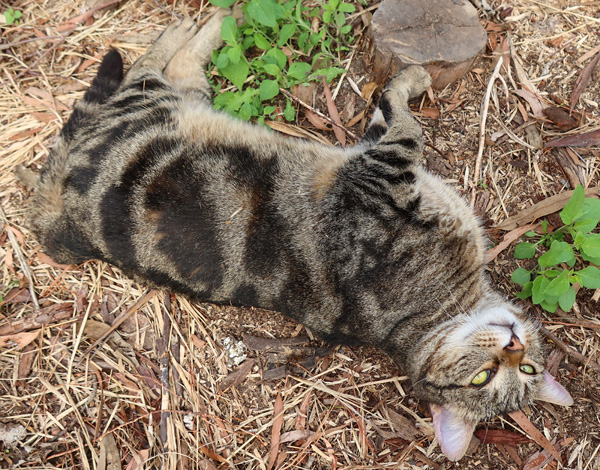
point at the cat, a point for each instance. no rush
(362, 245)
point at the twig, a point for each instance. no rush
(163, 354)
(577, 357)
(484, 112)
(25, 41)
(318, 113)
(24, 266)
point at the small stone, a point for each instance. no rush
(444, 36)
(236, 352)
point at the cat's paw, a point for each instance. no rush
(180, 32)
(413, 80)
(238, 14)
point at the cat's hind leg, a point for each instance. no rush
(162, 51)
(403, 129)
(186, 69)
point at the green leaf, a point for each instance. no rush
(271, 69)
(229, 101)
(222, 3)
(263, 12)
(329, 73)
(574, 208)
(559, 252)
(589, 277)
(526, 292)
(548, 306)
(302, 41)
(347, 7)
(559, 285)
(268, 89)
(234, 54)
(538, 289)
(525, 250)
(585, 225)
(567, 299)
(346, 29)
(262, 42)
(591, 245)
(289, 112)
(229, 31)
(531, 233)
(299, 70)
(521, 276)
(269, 109)
(236, 73)
(245, 112)
(277, 56)
(222, 59)
(286, 32)
(592, 259)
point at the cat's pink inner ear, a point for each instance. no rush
(453, 432)
(551, 391)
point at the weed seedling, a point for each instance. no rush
(567, 256)
(274, 48)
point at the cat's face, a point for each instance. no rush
(481, 365)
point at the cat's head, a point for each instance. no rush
(480, 365)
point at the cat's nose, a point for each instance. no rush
(515, 344)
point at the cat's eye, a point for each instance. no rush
(482, 378)
(527, 369)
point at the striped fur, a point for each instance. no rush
(361, 245)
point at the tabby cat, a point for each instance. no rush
(361, 245)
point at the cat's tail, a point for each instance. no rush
(104, 85)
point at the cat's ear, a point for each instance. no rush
(551, 391)
(453, 432)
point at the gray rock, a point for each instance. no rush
(445, 36)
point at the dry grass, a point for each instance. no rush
(159, 393)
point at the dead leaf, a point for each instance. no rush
(302, 412)
(238, 375)
(430, 113)
(334, 115)
(44, 258)
(276, 430)
(561, 118)
(109, 458)
(579, 140)
(542, 208)
(317, 120)
(368, 90)
(507, 240)
(501, 436)
(18, 340)
(138, 460)
(534, 102)
(304, 92)
(296, 132)
(534, 432)
(349, 108)
(583, 80)
(296, 435)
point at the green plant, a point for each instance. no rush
(12, 16)
(270, 50)
(569, 255)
